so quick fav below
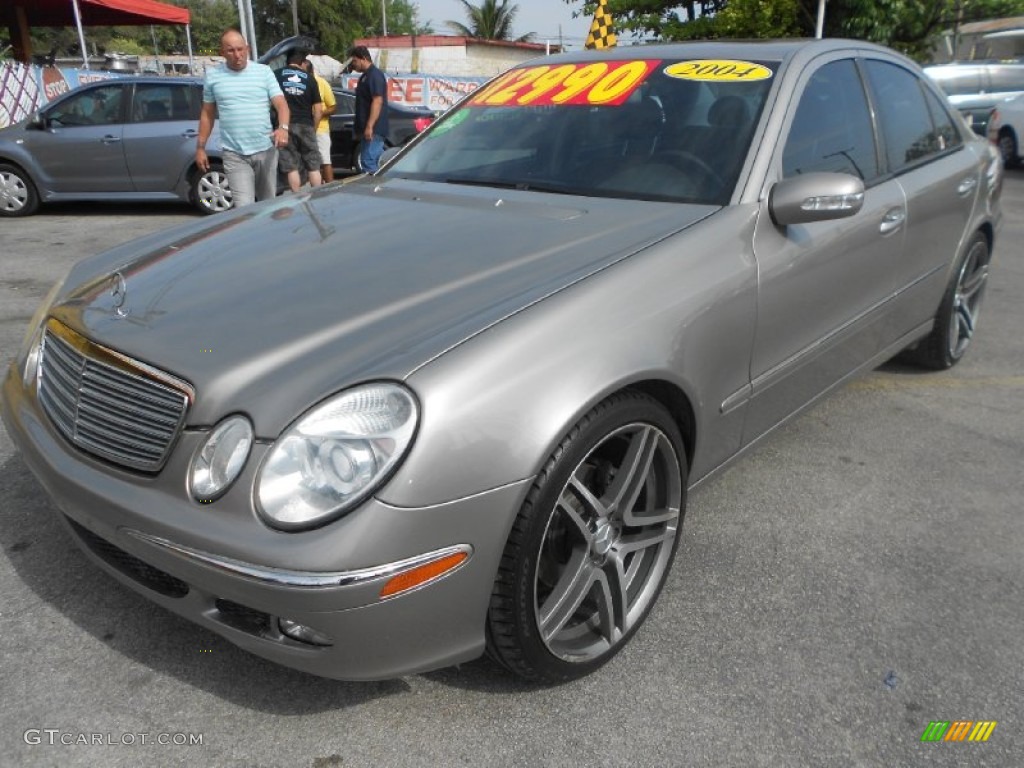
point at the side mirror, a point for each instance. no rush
(37, 121)
(815, 197)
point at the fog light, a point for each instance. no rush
(303, 634)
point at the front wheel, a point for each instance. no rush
(957, 318)
(593, 543)
(210, 191)
(18, 196)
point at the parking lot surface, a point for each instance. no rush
(856, 576)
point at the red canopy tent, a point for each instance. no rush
(19, 15)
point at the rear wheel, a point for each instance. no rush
(957, 318)
(210, 190)
(18, 196)
(593, 543)
(1008, 148)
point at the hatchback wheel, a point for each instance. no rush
(1008, 148)
(210, 190)
(592, 544)
(18, 196)
(958, 313)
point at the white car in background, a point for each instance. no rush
(1005, 127)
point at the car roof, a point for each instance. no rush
(780, 51)
(147, 79)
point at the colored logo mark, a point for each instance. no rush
(958, 730)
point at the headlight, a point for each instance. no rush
(336, 455)
(221, 457)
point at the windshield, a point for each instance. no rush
(676, 131)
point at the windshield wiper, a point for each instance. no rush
(530, 186)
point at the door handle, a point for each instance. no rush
(191, 133)
(108, 139)
(966, 186)
(892, 220)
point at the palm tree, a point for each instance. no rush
(489, 21)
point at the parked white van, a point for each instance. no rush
(976, 87)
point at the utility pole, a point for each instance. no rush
(957, 19)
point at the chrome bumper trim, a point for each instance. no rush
(314, 579)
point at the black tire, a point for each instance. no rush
(1008, 148)
(593, 543)
(957, 318)
(210, 191)
(18, 195)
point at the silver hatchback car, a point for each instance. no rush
(113, 140)
(388, 425)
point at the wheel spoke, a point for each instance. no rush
(579, 525)
(632, 474)
(592, 504)
(651, 537)
(965, 321)
(568, 594)
(612, 600)
(973, 284)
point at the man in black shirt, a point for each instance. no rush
(371, 119)
(303, 97)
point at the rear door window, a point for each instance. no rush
(909, 134)
(157, 103)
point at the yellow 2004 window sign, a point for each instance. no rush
(599, 82)
(718, 70)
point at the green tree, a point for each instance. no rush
(908, 25)
(489, 21)
(335, 23)
(209, 19)
(403, 19)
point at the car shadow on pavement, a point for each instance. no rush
(52, 567)
(91, 208)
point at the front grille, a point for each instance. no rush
(130, 565)
(107, 404)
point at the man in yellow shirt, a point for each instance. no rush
(323, 128)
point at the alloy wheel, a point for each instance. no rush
(608, 543)
(970, 288)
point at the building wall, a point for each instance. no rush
(453, 60)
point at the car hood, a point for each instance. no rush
(268, 309)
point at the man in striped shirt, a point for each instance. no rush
(239, 94)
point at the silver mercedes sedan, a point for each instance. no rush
(454, 408)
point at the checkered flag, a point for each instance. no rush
(602, 33)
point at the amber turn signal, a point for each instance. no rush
(421, 574)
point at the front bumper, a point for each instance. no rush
(221, 567)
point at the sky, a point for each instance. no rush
(542, 17)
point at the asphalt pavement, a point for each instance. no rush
(857, 576)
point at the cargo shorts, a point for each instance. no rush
(301, 151)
